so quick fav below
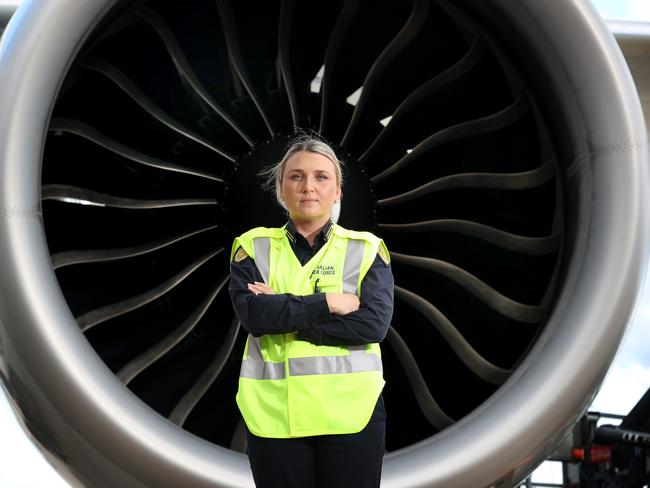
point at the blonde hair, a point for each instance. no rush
(302, 142)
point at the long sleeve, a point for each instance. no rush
(272, 314)
(364, 326)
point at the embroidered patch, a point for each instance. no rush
(240, 255)
(383, 255)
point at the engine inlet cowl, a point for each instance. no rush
(497, 147)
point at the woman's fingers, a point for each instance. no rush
(258, 288)
(353, 301)
(265, 287)
(342, 303)
(254, 289)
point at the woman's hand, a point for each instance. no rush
(259, 287)
(342, 303)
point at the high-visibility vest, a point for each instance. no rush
(293, 388)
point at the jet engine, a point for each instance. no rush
(497, 146)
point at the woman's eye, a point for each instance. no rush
(295, 177)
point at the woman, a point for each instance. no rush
(316, 300)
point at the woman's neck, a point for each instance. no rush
(309, 229)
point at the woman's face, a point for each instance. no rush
(309, 187)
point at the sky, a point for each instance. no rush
(636, 10)
(627, 380)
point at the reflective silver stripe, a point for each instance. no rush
(357, 361)
(353, 363)
(352, 265)
(262, 248)
(254, 365)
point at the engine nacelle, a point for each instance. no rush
(497, 146)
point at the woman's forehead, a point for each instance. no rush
(308, 161)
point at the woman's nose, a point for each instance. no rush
(308, 184)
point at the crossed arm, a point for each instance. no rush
(337, 303)
(320, 318)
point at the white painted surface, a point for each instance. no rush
(22, 465)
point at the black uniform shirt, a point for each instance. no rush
(309, 315)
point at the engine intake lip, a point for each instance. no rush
(87, 415)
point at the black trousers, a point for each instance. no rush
(336, 461)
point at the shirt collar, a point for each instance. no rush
(323, 234)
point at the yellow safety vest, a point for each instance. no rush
(293, 388)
